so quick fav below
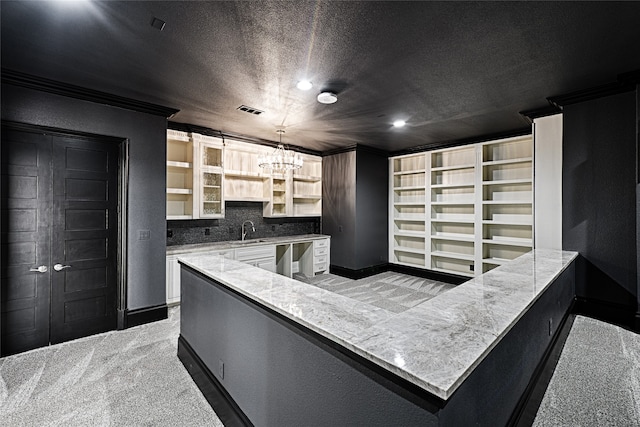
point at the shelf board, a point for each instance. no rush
(409, 203)
(181, 165)
(526, 243)
(507, 202)
(307, 196)
(409, 250)
(211, 186)
(453, 237)
(508, 181)
(490, 222)
(171, 217)
(409, 234)
(459, 273)
(409, 172)
(243, 174)
(413, 187)
(228, 198)
(213, 202)
(452, 255)
(306, 177)
(179, 191)
(454, 167)
(508, 161)
(451, 203)
(458, 221)
(420, 218)
(453, 185)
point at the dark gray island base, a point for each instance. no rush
(270, 351)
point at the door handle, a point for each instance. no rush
(60, 267)
(40, 269)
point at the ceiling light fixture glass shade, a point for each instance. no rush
(281, 159)
(304, 85)
(327, 98)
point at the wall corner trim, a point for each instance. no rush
(29, 81)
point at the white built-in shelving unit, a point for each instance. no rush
(180, 189)
(205, 171)
(462, 210)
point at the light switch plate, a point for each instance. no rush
(144, 234)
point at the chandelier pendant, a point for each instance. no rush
(281, 159)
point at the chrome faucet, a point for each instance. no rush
(244, 233)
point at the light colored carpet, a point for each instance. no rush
(394, 292)
(120, 378)
(597, 379)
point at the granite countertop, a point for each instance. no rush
(233, 244)
(435, 345)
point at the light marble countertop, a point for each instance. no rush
(435, 345)
(234, 244)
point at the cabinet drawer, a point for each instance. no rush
(321, 243)
(320, 259)
(320, 267)
(320, 251)
(256, 252)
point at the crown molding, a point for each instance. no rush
(17, 78)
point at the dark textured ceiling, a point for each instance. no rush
(452, 70)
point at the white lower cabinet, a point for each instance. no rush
(259, 256)
(173, 279)
(307, 257)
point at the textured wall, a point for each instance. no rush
(280, 376)
(229, 227)
(372, 213)
(147, 163)
(339, 206)
(599, 196)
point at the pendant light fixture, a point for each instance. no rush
(281, 159)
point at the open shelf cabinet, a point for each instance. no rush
(462, 210)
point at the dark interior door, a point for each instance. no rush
(25, 204)
(84, 247)
(59, 214)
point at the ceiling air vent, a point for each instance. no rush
(250, 110)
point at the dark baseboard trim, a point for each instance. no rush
(396, 268)
(225, 407)
(525, 411)
(359, 273)
(17, 78)
(140, 316)
(616, 314)
(454, 279)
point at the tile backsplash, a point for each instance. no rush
(184, 232)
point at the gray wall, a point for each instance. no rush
(372, 195)
(147, 136)
(279, 376)
(355, 208)
(599, 197)
(229, 228)
(339, 207)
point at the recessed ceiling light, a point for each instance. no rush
(399, 123)
(304, 85)
(327, 98)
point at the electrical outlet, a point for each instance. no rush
(471, 267)
(340, 228)
(230, 230)
(273, 228)
(207, 231)
(221, 369)
(144, 234)
(169, 233)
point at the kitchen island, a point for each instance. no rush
(282, 352)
